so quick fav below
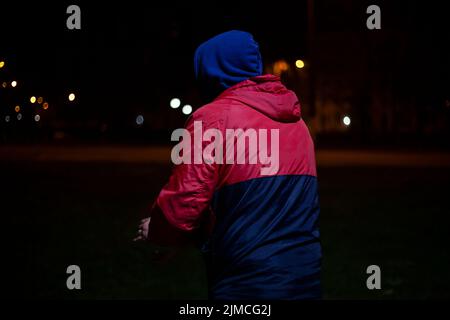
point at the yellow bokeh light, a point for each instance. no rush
(40, 100)
(2, 64)
(299, 64)
(71, 96)
(45, 106)
(14, 83)
(33, 99)
(17, 108)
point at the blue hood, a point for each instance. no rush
(227, 59)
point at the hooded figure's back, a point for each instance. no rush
(264, 239)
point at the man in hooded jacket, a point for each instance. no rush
(262, 230)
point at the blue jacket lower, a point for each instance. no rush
(265, 243)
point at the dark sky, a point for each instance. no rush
(159, 38)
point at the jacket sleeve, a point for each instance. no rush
(184, 201)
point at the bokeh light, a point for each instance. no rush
(140, 120)
(346, 120)
(299, 63)
(14, 83)
(187, 109)
(279, 67)
(72, 97)
(17, 108)
(33, 99)
(175, 103)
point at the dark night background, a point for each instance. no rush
(74, 183)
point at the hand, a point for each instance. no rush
(142, 233)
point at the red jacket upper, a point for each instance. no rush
(260, 102)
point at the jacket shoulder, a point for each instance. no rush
(212, 112)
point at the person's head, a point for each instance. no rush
(226, 60)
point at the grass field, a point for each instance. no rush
(58, 214)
